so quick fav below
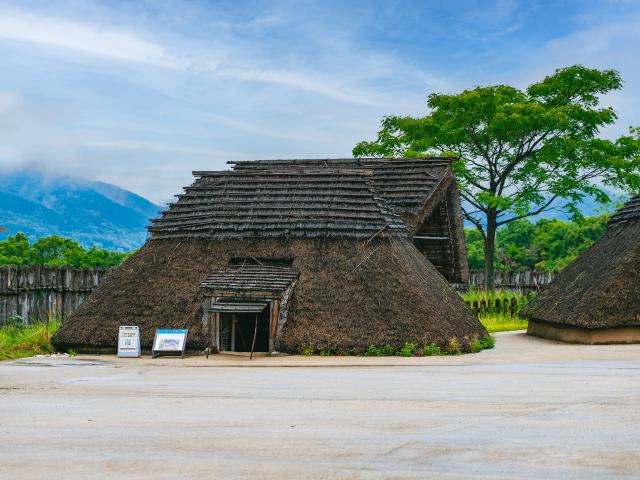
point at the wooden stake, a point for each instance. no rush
(255, 333)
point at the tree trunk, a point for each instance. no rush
(490, 252)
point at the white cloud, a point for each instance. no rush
(225, 57)
(601, 43)
(83, 37)
(310, 82)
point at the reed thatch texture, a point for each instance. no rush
(348, 294)
(601, 288)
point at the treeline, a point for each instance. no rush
(56, 251)
(544, 245)
(521, 245)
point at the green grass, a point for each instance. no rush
(502, 322)
(18, 341)
(503, 319)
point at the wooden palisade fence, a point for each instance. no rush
(40, 292)
(507, 305)
(526, 280)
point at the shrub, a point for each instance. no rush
(308, 350)
(453, 347)
(372, 351)
(488, 342)
(475, 346)
(408, 350)
(431, 350)
(388, 350)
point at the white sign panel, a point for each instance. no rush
(170, 341)
(129, 341)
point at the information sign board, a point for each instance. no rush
(129, 341)
(169, 342)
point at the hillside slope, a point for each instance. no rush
(93, 213)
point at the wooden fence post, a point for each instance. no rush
(38, 292)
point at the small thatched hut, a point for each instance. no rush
(596, 299)
(337, 254)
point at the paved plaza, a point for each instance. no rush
(530, 408)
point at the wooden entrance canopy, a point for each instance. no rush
(248, 287)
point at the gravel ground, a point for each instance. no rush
(530, 408)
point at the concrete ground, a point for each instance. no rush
(530, 408)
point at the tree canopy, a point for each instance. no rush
(56, 251)
(520, 151)
(544, 245)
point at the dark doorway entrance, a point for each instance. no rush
(237, 330)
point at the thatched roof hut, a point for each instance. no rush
(596, 299)
(336, 254)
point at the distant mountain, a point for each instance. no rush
(93, 213)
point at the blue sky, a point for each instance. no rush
(141, 93)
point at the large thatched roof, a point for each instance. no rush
(601, 288)
(344, 231)
(304, 198)
(405, 184)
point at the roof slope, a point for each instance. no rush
(630, 211)
(344, 198)
(347, 294)
(245, 279)
(601, 288)
(405, 183)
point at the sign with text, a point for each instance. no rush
(169, 342)
(129, 341)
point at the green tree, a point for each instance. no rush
(515, 246)
(544, 245)
(56, 251)
(475, 248)
(15, 250)
(519, 151)
(559, 243)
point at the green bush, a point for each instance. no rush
(408, 350)
(453, 347)
(475, 346)
(488, 342)
(431, 350)
(372, 351)
(388, 350)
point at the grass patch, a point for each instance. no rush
(497, 311)
(18, 341)
(502, 322)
